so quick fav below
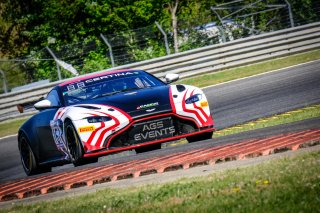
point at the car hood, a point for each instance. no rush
(139, 103)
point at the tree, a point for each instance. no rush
(11, 26)
(173, 6)
(27, 26)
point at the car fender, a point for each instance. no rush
(93, 134)
(197, 110)
(28, 129)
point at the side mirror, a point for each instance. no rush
(44, 104)
(171, 77)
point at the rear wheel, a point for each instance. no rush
(148, 148)
(28, 159)
(75, 146)
(200, 137)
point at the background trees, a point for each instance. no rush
(28, 26)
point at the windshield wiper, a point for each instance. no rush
(116, 92)
(131, 89)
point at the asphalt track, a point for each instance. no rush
(231, 103)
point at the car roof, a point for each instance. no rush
(93, 75)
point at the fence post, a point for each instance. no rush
(5, 87)
(221, 29)
(223, 34)
(165, 38)
(54, 57)
(110, 48)
(290, 13)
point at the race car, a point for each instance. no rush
(94, 115)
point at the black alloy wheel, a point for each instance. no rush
(28, 159)
(75, 147)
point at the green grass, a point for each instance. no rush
(282, 185)
(250, 70)
(10, 127)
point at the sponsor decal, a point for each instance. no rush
(154, 130)
(75, 86)
(204, 104)
(144, 106)
(58, 136)
(110, 76)
(194, 98)
(150, 110)
(86, 129)
(81, 84)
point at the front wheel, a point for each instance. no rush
(75, 147)
(28, 160)
(200, 137)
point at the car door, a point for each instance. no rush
(48, 150)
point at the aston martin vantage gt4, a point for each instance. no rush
(98, 114)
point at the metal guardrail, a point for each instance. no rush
(194, 62)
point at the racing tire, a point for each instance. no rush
(28, 159)
(75, 147)
(148, 148)
(200, 137)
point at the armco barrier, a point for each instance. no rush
(202, 60)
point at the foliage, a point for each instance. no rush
(95, 61)
(195, 38)
(11, 26)
(154, 49)
(26, 26)
(15, 77)
(29, 26)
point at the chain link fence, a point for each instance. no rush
(227, 22)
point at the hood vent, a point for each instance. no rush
(87, 107)
(181, 88)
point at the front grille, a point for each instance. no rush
(153, 129)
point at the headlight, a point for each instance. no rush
(98, 119)
(194, 98)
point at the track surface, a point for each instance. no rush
(231, 103)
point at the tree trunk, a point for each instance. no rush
(173, 10)
(175, 33)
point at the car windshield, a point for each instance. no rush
(106, 85)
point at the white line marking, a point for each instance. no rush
(8, 136)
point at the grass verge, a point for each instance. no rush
(279, 185)
(250, 70)
(10, 127)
